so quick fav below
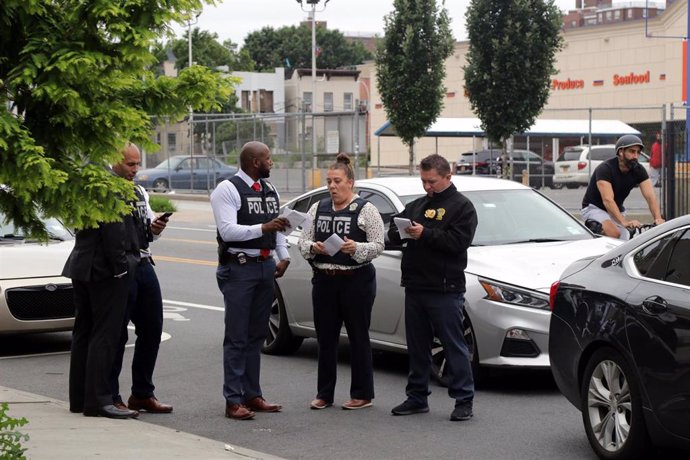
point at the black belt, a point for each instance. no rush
(335, 271)
(241, 258)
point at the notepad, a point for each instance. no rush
(403, 224)
(333, 244)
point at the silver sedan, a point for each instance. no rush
(522, 244)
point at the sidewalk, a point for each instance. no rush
(56, 433)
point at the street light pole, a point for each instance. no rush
(312, 12)
(191, 110)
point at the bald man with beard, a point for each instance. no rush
(245, 208)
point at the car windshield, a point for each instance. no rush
(521, 216)
(55, 229)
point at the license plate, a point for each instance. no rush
(565, 168)
(463, 168)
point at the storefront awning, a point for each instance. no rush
(471, 127)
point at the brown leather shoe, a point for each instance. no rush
(120, 405)
(259, 404)
(319, 404)
(238, 412)
(355, 404)
(151, 404)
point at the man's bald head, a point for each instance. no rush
(131, 161)
(255, 160)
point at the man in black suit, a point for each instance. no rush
(100, 266)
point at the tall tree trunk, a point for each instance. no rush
(411, 165)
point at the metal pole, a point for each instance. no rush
(313, 92)
(191, 110)
(356, 136)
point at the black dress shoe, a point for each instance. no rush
(111, 411)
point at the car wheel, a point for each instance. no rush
(280, 340)
(556, 186)
(572, 185)
(612, 408)
(160, 185)
(439, 370)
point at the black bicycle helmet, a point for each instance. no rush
(628, 141)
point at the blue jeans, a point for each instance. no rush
(248, 294)
(429, 313)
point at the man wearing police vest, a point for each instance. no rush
(245, 208)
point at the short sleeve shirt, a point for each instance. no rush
(622, 183)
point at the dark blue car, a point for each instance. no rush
(181, 172)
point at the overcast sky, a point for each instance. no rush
(234, 19)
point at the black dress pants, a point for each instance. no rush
(99, 311)
(348, 300)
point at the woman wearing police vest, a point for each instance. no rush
(344, 284)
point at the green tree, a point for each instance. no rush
(270, 48)
(74, 88)
(513, 44)
(410, 64)
(207, 51)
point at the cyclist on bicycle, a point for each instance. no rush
(611, 184)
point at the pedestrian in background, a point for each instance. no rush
(344, 284)
(101, 265)
(434, 258)
(145, 302)
(655, 162)
(245, 208)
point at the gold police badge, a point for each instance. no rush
(430, 213)
(353, 206)
(440, 213)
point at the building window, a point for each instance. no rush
(600, 19)
(617, 15)
(327, 102)
(246, 105)
(347, 101)
(630, 14)
(172, 142)
(266, 101)
(306, 99)
(608, 15)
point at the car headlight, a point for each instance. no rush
(514, 296)
(141, 177)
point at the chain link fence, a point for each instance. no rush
(304, 144)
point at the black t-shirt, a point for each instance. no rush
(622, 183)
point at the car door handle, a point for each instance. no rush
(654, 305)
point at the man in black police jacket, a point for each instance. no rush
(245, 209)
(433, 264)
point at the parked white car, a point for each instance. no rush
(522, 244)
(575, 166)
(34, 297)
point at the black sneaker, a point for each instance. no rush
(462, 411)
(410, 407)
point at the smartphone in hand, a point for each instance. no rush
(164, 216)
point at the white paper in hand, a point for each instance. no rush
(402, 225)
(333, 244)
(296, 219)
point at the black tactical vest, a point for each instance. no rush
(343, 223)
(256, 208)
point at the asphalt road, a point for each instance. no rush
(517, 415)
